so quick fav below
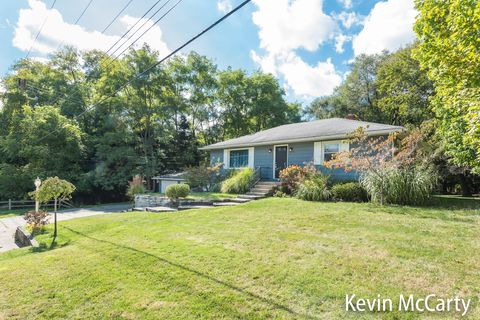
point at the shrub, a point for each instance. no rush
(36, 221)
(135, 187)
(405, 186)
(204, 177)
(239, 182)
(175, 191)
(314, 189)
(293, 176)
(350, 191)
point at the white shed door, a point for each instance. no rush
(165, 184)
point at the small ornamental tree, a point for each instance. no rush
(368, 155)
(55, 189)
(136, 186)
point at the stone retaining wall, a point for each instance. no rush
(144, 201)
(23, 238)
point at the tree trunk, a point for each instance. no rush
(55, 221)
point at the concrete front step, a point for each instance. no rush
(250, 196)
(225, 204)
(260, 188)
(260, 194)
(240, 200)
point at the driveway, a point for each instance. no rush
(9, 225)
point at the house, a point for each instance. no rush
(299, 143)
(162, 182)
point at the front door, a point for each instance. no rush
(280, 159)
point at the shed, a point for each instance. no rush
(162, 182)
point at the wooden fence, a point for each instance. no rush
(26, 204)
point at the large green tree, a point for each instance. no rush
(449, 50)
(388, 88)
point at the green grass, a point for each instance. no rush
(274, 258)
(5, 213)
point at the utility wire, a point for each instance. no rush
(41, 28)
(118, 15)
(81, 15)
(141, 74)
(138, 38)
(131, 28)
(144, 23)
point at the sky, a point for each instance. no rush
(307, 44)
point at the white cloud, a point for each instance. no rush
(309, 81)
(224, 6)
(388, 26)
(285, 26)
(349, 19)
(347, 4)
(340, 40)
(58, 32)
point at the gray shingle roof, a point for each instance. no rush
(325, 129)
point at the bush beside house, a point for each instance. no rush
(314, 188)
(177, 191)
(350, 191)
(239, 182)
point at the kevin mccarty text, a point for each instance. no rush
(404, 303)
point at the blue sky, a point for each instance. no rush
(306, 44)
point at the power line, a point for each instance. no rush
(140, 74)
(144, 23)
(81, 15)
(116, 17)
(139, 19)
(41, 28)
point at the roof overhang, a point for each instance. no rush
(297, 140)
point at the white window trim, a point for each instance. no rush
(251, 157)
(319, 149)
(274, 156)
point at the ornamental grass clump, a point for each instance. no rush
(404, 186)
(239, 182)
(314, 189)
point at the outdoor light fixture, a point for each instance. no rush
(290, 149)
(37, 183)
(269, 150)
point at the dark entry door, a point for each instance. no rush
(280, 159)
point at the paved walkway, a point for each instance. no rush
(9, 225)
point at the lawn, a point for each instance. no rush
(273, 258)
(5, 213)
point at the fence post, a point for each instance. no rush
(9, 204)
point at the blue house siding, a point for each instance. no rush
(301, 154)
(264, 160)
(216, 156)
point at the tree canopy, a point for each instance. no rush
(61, 118)
(449, 50)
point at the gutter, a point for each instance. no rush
(307, 139)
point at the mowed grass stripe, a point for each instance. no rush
(280, 258)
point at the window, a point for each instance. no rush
(239, 158)
(329, 150)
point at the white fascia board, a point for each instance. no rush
(309, 139)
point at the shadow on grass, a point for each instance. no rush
(42, 247)
(199, 274)
(455, 202)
